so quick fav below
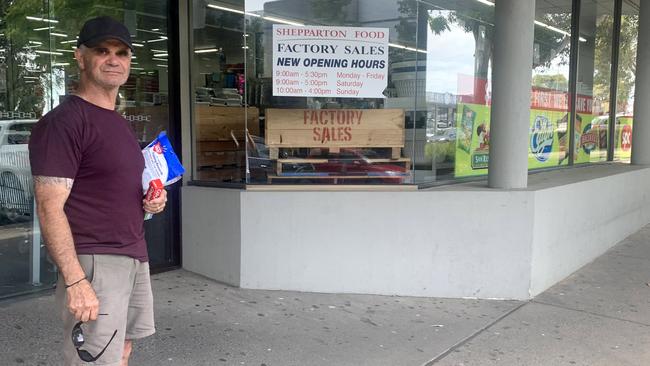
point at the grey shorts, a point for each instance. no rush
(123, 288)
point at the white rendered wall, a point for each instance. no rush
(453, 241)
(211, 228)
(434, 243)
(577, 222)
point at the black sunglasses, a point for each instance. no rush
(78, 341)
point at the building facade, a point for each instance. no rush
(465, 148)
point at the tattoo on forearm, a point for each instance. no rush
(40, 179)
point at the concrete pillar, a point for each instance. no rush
(641, 128)
(511, 84)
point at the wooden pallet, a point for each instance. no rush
(403, 174)
(395, 152)
(324, 134)
(281, 162)
(336, 179)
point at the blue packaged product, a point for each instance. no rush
(160, 162)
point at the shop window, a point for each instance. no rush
(37, 72)
(342, 111)
(456, 86)
(626, 78)
(219, 90)
(594, 82)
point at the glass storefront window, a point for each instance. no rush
(626, 77)
(322, 124)
(37, 72)
(257, 116)
(593, 82)
(219, 86)
(549, 115)
(459, 41)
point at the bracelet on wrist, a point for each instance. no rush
(74, 283)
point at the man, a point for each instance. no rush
(87, 167)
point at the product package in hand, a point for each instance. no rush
(161, 167)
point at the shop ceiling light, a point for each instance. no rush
(61, 64)
(44, 28)
(283, 21)
(60, 50)
(42, 19)
(138, 44)
(207, 50)
(137, 68)
(557, 30)
(160, 55)
(162, 38)
(486, 2)
(395, 45)
(59, 34)
(159, 59)
(162, 65)
(150, 31)
(226, 9)
(48, 52)
(35, 42)
(70, 41)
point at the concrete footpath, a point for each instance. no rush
(598, 316)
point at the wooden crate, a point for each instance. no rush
(333, 128)
(221, 123)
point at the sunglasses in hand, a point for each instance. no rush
(78, 341)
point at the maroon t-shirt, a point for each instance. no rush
(97, 148)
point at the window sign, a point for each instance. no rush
(342, 62)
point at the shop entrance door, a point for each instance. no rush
(37, 72)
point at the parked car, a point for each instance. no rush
(448, 134)
(16, 193)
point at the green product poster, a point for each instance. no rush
(472, 140)
(547, 139)
(590, 138)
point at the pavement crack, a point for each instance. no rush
(590, 313)
(474, 335)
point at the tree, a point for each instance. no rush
(554, 82)
(478, 19)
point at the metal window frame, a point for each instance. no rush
(573, 75)
(613, 86)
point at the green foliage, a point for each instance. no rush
(330, 12)
(554, 82)
(442, 151)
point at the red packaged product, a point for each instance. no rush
(155, 189)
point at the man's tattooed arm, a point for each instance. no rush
(41, 179)
(51, 193)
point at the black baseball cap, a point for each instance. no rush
(99, 29)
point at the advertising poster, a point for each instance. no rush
(472, 140)
(623, 150)
(591, 138)
(341, 62)
(547, 140)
